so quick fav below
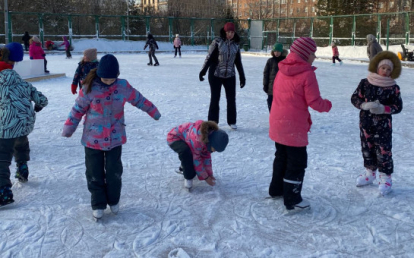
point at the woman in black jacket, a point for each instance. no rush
(26, 37)
(223, 55)
(271, 69)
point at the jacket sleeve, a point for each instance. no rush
(211, 57)
(397, 104)
(146, 45)
(156, 45)
(77, 76)
(266, 75)
(138, 100)
(358, 97)
(80, 108)
(202, 164)
(37, 97)
(313, 96)
(239, 66)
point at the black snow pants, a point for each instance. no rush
(151, 54)
(17, 147)
(186, 157)
(104, 176)
(288, 172)
(230, 88)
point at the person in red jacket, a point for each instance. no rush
(335, 54)
(295, 89)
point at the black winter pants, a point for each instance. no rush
(151, 54)
(376, 145)
(337, 58)
(179, 51)
(68, 54)
(104, 176)
(186, 157)
(230, 88)
(288, 172)
(17, 147)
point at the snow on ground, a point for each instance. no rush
(158, 218)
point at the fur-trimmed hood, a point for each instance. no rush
(373, 64)
(206, 128)
(236, 37)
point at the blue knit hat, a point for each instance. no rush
(218, 140)
(108, 67)
(16, 51)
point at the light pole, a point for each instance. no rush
(6, 22)
(127, 4)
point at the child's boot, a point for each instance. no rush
(22, 172)
(385, 183)
(115, 208)
(340, 63)
(6, 195)
(366, 179)
(98, 214)
(188, 183)
(333, 64)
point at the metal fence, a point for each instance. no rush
(389, 28)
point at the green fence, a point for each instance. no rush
(389, 28)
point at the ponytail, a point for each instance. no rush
(87, 85)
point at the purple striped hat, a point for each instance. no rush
(303, 46)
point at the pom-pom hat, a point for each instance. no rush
(108, 67)
(303, 46)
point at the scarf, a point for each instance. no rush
(380, 81)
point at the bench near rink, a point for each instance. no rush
(33, 70)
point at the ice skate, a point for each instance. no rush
(366, 179)
(188, 184)
(180, 170)
(22, 172)
(6, 196)
(304, 204)
(233, 126)
(114, 208)
(97, 214)
(385, 184)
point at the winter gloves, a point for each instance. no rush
(74, 88)
(37, 108)
(242, 82)
(374, 107)
(201, 75)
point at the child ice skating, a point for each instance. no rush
(295, 90)
(102, 100)
(89, 62)
(66, 43)
(335, 54)
(152, 46)
(17, 119)
(177, 45)
(194, 143)
(378, 96)
(271, 69)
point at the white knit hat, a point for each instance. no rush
(386, 62)
(177, 35)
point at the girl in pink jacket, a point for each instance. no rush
(36, 51)
(295, 89)
(194, 143)
(335, 54)
(177, 45)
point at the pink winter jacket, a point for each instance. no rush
(36, 51)
(335, 51)
(294, 90)
(191, 134)
(177, 42)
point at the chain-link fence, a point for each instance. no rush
(389, 28)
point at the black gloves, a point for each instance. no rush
(201, 75)
(37, 108)
(242, 82)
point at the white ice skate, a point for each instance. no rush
(97, 214)
(114, 208)
(366, 179)
(188, 183)
(385, 184)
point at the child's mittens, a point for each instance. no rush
(74, 88)
(380, 109)
(157, 116)
(369, 105)
(37, 108)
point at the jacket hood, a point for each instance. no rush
(373, 64)
(236, 37)
(293, 65)
(371, 38)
